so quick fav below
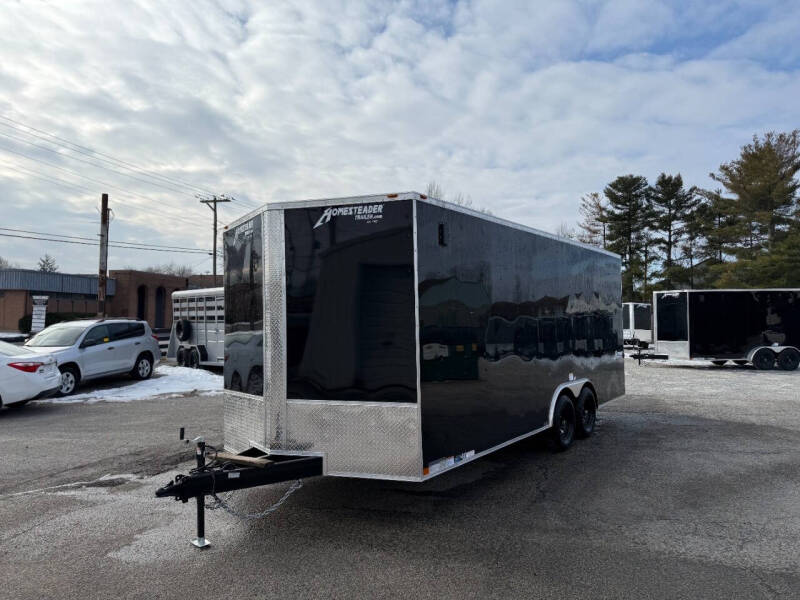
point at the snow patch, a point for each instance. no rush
(167, 382)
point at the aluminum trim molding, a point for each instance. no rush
(416, 334)
(246, 217)
(320, 202)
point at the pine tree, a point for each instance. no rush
(594, 220)
(671, 205)
(628, 214)
(47, 264)
(764, 189)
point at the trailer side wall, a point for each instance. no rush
(729, 323)
(506, 316)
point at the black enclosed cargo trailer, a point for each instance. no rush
(761, 327)
(402, 336)
(398, 336)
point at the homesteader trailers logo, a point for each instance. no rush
(371, 213)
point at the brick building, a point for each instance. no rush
(138, 294)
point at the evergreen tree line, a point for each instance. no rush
(745, 233)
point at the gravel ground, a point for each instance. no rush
(690, 488)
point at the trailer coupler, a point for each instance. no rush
(227, 473)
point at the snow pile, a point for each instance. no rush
(12, 336)
(167, 381)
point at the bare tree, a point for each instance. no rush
(6, 264)
(435, 190)
(566, 230)
(170, 269)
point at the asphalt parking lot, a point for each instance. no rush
(690, 488)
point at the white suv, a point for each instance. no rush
(98, 348)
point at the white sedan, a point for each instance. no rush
(26, 375)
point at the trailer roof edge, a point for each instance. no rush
(728, 290)
(390, 197)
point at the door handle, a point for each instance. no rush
(111, 347)
(136, 343)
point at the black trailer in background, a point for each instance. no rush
(761, 327)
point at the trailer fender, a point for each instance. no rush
(573, 389)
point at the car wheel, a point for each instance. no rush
(585, 413)
(789, 359)
(143, 368)
(255, 384)
(764, 359)
(236, 382)
(563, 430)
(180, 357)
(69, 381)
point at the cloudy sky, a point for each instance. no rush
(521, 106)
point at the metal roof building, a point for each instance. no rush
(59, 283)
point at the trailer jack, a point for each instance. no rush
(229, 472)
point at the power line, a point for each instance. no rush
(85, 150)
(45, 239)
(94, 164)
(96, 155)
(61, 182)
(92, 179)
(74, 237)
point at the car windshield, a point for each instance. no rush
(7, 349)
(59, 335)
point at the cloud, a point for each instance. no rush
(522, 106)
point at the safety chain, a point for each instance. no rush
(223, 504)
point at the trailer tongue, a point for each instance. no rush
(230, 472)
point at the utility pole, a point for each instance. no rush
(102, 276)
(212, 204)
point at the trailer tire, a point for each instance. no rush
(585, 413)
(563, 430)
(764, 359)
(180, 357)
(193, 362)
(236, 382)
(788, 359)
(719, 363)
(255, 383)
(183, 329)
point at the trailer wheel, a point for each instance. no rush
(236, 382)
(563, 431)
(718, 363)
(788, 359)
(193, 362)
(180, 357)
(255, 383)
(764, 359)
(585, 413)
(183, 329)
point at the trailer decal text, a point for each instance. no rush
(361, 212)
